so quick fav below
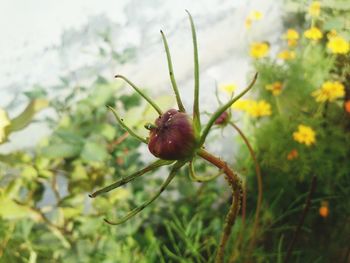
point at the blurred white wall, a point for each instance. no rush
(42, 41)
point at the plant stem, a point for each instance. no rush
(259, 181)
(302, 218)
(236, 186)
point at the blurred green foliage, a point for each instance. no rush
(46, 215)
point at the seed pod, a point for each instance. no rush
(172, 137)
(223, 118)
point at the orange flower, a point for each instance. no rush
(293, 154)
(347, 106)
(324, 209)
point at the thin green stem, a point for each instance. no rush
(236, 186)
(124, 126)
(259, 181)
(196, 114)
(148, 99)
(131, 177)
(135, 211)
(222, 109)
(198, 178)
(171, 73)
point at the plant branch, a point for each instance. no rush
(259, 181)
(236, 186)
(222, 109)
(148, 99)
(302, 218)
(171, 73)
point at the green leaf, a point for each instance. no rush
(93, 151)
(63, 150)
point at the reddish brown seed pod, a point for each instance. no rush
(222, 119)
(173, 137)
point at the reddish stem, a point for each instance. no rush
(236, 186)
(260, 187)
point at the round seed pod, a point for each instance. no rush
(173, 137)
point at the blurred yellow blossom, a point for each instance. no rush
(259, 49)
(329, 91)
(338, 45)
(332, 33)
(305, 135)
(248, 23)
(242, 104)
(315, 9)
(253, 16)
(292, 37)
(259, 108)
(313, 33)
(229, 87)
(4, 122)
(275, 88)
(256, 15)
(286, 55)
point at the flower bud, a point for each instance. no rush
(222, 119)
(172, 137)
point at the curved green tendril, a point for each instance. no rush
(124, 126)
(222, 109)
(131, 177)
(196, 114)
(149, 100)
(135, 211)
(197, 178)
(171, 73)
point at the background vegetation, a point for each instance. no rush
(297, 121)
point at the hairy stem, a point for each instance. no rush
(236, 186)
(302, 218)
(259, 181)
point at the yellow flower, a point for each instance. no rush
(242, 105)
(229, 87)
(256, 15)
(313, 33)
(4, 122)
(259, 109)
(259, 49)
(248, 23)
(332, 33)
(338, 45)
(292, 37)
(286, 55)
(305, 135)
(275, 88)
(329, 91)
(315, 9)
